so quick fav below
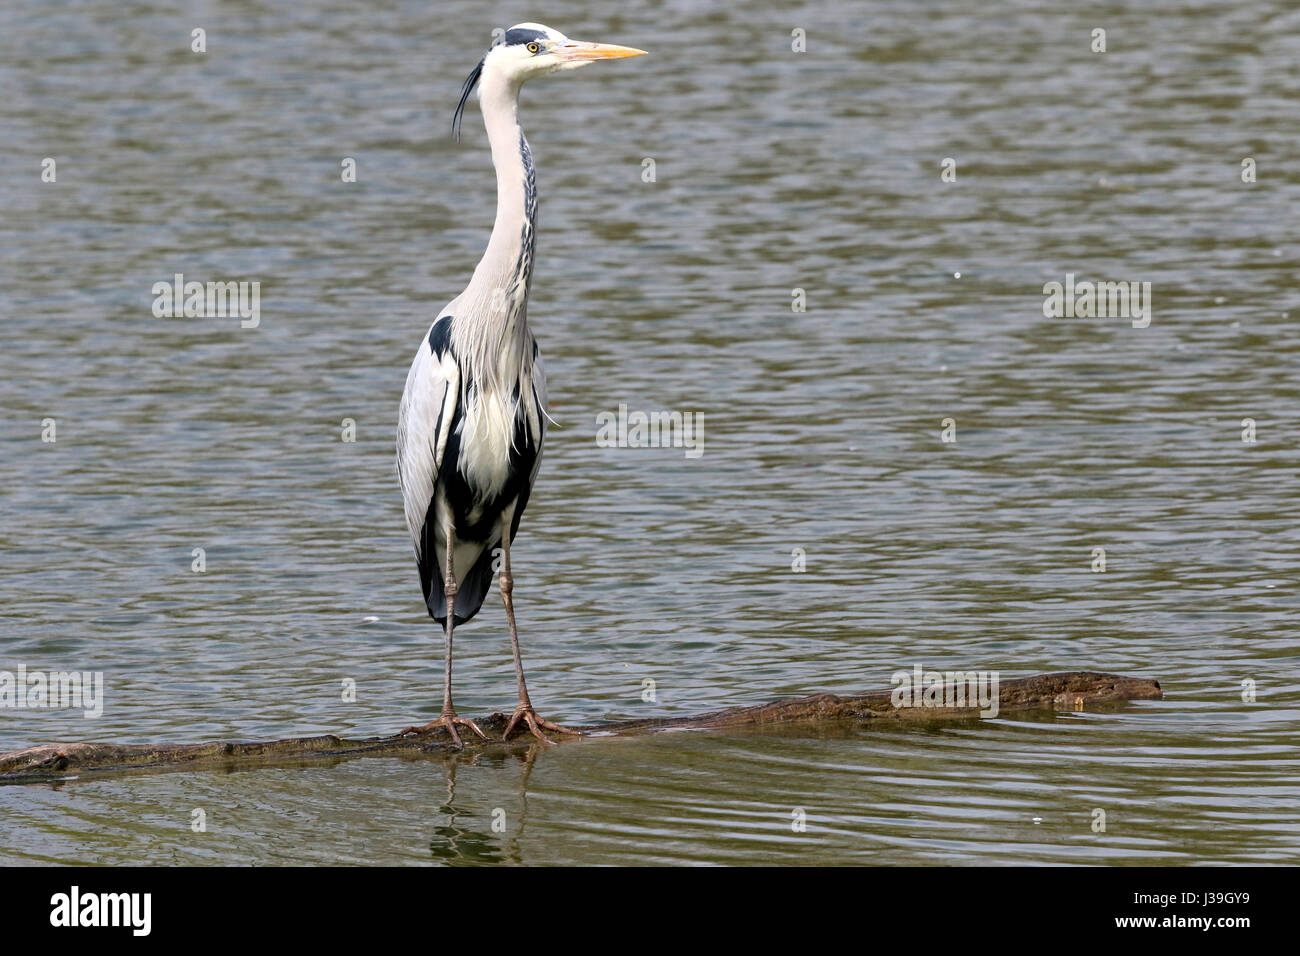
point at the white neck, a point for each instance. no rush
(493, 308)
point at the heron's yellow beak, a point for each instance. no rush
(577, 50)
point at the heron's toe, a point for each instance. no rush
(535, 723)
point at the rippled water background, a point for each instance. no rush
(775, 170)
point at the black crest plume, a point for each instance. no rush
(471, 81)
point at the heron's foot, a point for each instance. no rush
(448, 720)
(536, 724)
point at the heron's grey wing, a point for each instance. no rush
(423, 424)
(537, 414)
(542, 403)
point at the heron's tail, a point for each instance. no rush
(470, 596)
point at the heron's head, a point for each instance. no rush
(532, 49)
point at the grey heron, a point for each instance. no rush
(473, 416)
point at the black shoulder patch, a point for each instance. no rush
(523, 36)
(440, 336)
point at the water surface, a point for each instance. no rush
(774, 171)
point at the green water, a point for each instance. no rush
(775, 170)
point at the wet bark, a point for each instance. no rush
(1073, 691)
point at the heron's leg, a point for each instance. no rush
(448, 717)
(524, 710)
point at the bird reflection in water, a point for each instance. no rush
(465, 837)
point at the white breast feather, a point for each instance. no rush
(487, 430)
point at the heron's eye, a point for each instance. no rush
(532, 48)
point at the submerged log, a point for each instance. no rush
(1073, 691)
